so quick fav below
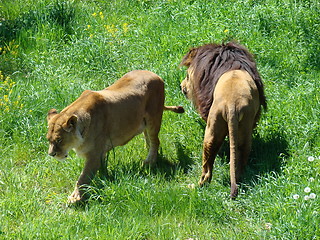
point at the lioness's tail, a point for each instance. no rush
(176, 109)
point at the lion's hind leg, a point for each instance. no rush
(215, 133)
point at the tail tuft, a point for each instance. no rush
(176, 109)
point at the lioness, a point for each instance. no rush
(224, 84)
(101, 120)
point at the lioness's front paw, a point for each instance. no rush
(74, 197)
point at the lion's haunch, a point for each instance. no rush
(224, 84)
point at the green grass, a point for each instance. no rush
(53, 50)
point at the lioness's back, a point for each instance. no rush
(135, 79)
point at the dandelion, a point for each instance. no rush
(226, 31)
(310, 159)
(268, 226)
(111, 29)
(311, 179)
(306, 198)
(125, 27)
(101, 15)
(312, 196)
(91, 36)
(94, 14)
(296, 196)
(307, 190)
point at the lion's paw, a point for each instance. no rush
(151, 160)
(204, 179)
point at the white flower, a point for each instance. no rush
(306, 198)
(312, 196)
(311, 179)
(295, 196)
(307, 190)
(310, 159)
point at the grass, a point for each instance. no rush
(50, 51)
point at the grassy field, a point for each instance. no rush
(50, 51)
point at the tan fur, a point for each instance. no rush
(234, 111)
(101, 120)
(225, 86)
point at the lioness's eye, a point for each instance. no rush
(59, 140)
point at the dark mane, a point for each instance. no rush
(209, 62)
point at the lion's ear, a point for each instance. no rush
(187, 59)
(70, 124)
(51, 113)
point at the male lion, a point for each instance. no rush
(224, 84)
(101, 120)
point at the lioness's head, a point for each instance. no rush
(62, 134)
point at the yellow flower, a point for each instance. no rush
(125, 27)
(101, 15)
(94, 14)
(226, 31)
(111, 29)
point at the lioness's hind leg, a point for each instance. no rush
(151, 133)
(146, 136)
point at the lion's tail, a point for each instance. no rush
(176, 109)
(233, 123)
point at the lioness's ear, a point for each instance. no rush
(187, 59)
(51, 113)
(70, 124)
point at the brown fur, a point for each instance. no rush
(225, 86)
(101, 120)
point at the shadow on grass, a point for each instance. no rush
(163, 166)
(267, 155)
(168, 168)
(95, 191)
